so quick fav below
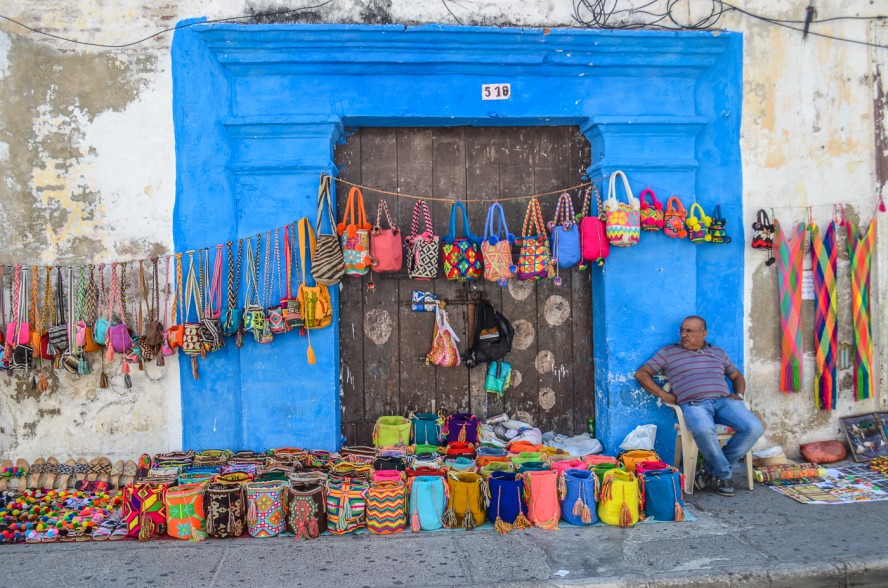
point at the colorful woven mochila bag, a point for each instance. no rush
(226, 510)
(507, 509)
(428, 501)
(652, 215)
(468, 500)
(355, 235)
(630, 459)
(328, 264)
(461, 427)
(426, 428)
(623, 218)
(593, 234)
(662, 493)
(674, 219)
(461, 256)
(422, 248)
(265, 508)
(186, 518)
(534, 258)
(698, 227)
(496, 248)
(306, 513)
(600, 469)
(619, 502)
(566, 251)
(541, 494)
(387, 507)
(444, 352)
(717, 224)
(346, 505)
(578, 502)
(144, 510)
(391, 431)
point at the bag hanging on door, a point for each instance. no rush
(534, 258)
(386, 247)
(468, 501)
(186, 518)
(579, 502)
(328, 264)
(623, 219)
(355, 235)
(461, 256)
(191, 343)
(461, 427)
(226, 510)
(566, 251)
(662, 491)
(674, 219)
(543, 507)
(346, 505)
(390, 431)
(444, 352)
(265, 508)
(428, 501)
(306, 517)
(426, 428)
(422, 248)
(652, 216)
(619, 502)
(698, 227)
(717, 224)
(496, 248)
(210, 330)
(593, 234)
(492, 339)
(387, 507)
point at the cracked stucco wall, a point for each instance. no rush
(87, 164)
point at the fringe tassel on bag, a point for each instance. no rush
(562, 487)
(313, 530)
(103, 380)
(469, 521)
(449, 518)
(415, 525)
(83, 367)
(194, 373)
(159, 361)
(43, 384)
(125, 369)
(625, 516)
(146, 527)
(197, 535)
(501, 526)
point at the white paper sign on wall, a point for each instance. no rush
(496, 91)
(807, 285)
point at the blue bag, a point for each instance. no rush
(426, 428)
(565, 234)
(428, 502)
(662, 495)
(506, 491)
(580, 491)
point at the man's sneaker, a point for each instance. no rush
(725, 487)
(702, 480)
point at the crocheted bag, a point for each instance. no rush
(662, 492)
(226, 510)
(652, 216)
(630, 459)
(346, 505)
(428, 501)
(717, 224)
(444, 352)
(593, 234)
(620, 499)
(543, 507)
(496, 250)
(534, 258)
(461, 427)
(468, 500)
(461, 255)
(391, 430)
(306, 511)
(185, 511)
(507, 508)
(144, 510)
(328, 265)
(698, 227)
(422, 248)
(426, 428)
(578, 504)
(265, 508)
(600, 469)
(623, 219)
(565, 234)
(674, 219)
(387, 507)
(386, 247)
(354, 235)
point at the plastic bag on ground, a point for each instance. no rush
(577, 446)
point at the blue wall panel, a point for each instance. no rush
(259, 108)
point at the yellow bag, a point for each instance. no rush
(619, 503)
(468, 496)
(630, 459)
(314, 301)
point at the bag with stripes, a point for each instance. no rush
(387, 507)
(422, 248)
(346, 505)
(327, 264)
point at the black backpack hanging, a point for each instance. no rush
(492, 337)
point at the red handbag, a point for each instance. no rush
(386, 247)
(594, 245)
(459, 448)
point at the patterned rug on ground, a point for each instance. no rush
(849, 484)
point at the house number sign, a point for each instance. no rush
(496, 91)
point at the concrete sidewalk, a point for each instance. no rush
(757, 538)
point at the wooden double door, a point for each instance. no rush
(384, 343)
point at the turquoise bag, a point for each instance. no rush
(428, 501)
(426, 428)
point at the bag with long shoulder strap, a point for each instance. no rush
(386, 246)
(566, 249)
(254, 314)
(468, 500)
(289, 303)
(152, 337)
(534, 259)
(39, 338)
(651, 213)
(422, 248)
(426, 428)
(674, 219)
(391, 430)
(492, 337)
(623, 218)
(444, 352)
(119, 340)
(191, 343)
(428, 501)
(317, 310)
(543, 506)
(461, 427)
(496, 248)
(346, 505)
(266, 510)
(508, 509)
(354, 234)
(58, 331)
(461, 256)
(210, 326)
(593, 234)
(18, 331)
(328, 264)
(231, 316)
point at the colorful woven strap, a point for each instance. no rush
(789, 267)
(860, 249)
(35, 285)
(533, 220)
(421, 206)
(823, 258)
(382, 208)
(564, 212)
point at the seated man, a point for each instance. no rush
(696, 370)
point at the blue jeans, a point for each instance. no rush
(701, 416)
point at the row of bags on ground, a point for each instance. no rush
(385, 492)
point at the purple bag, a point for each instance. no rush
(461, 427)
(121, 341)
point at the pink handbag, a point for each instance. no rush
(388, 476)
(22, 327)
(594, 245)
(386, 247)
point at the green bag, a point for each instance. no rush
(528, 456)
(391, 431)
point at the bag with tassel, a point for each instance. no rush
(314, 301)
(468, 500)
(717, 224)
(226, 510)
(496, 248)
(444, 352)
(461, 256)
(290, 308)
(652, 215)
(390, 431)
(507, 510)
(265, 508)
(662, 492)
(461, 427)
(600, 469)
(428, 501)
(346, 505)
(387, 507)
(541, 490)
(306, 517)
(354, 234)
(210, 330)
(231, 316)
(698, 226)
(186, 518)
(566, 250)
(152, 335)
(619, 501)
(144, 510)
(674, 219)
(58, 331)
(426, 428)
(578, 502)
(534, 258)
(623, 219)
(191, 343)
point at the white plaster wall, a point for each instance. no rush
(807, 140)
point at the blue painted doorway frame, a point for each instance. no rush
(258, 110)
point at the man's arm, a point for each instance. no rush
(739, 384)
(645, 377)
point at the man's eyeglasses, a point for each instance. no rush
(682, 331)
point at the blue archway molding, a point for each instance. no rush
(258, 110)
